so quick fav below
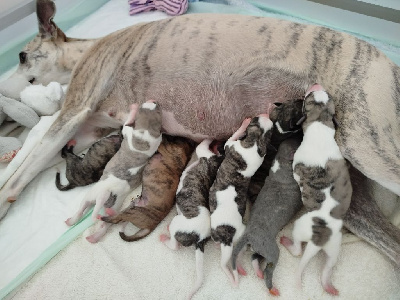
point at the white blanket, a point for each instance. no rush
(114, 269)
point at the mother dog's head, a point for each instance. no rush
(51, 55)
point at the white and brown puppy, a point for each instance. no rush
(192, 227)
(244, 154)
(141, 138)
(323, 176)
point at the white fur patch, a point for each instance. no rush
(303, 226)
(265, 123)
(200, 224)
(278, 126)
(275, 167)
(149, 105)
(134, 171)
(227, 212)
(318, 146)
(203, 149)
(129, 133)
(321, 97)
(184, 173)
(250, 156)
(102, 189)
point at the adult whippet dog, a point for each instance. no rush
(209, 72)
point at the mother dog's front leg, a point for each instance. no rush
(60, 132)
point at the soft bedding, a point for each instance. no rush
(34, 231)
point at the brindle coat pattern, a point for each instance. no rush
(228, 175)
(81, 171)
(235, 66)
(194, 194)
(159, 182)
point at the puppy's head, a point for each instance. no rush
(286, 116)
(319, 106)
(148, 117)
(258, 132)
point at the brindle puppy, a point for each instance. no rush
(191, 227)
(285, 117)
(159, 184)
(244, 154)
(81, 171)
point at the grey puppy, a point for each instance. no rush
(81, 171)
(286, 117)
(278, 201)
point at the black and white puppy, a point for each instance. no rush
(191, 227)
(244, 153)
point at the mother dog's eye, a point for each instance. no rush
(22, 57)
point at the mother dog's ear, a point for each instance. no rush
(45, 11)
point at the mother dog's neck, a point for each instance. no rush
(72, 51)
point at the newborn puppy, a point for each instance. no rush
(322, 174)
(278, 201)
(81, 171)
(244, 154)
(191, 227)
(286, 117)
(160, 181)
(123, 172)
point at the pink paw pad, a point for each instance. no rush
(274, 292)
(260, 274)
(91, 239)
(110, 212)
(164, 238)
(98, 217)
(330, 289)
(241, 271)
(285, 241)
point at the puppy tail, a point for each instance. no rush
(112, 219)
(135, 237)
(237, 248)
(365, 219)
(62, 187)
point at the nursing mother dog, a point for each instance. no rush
(209, 72)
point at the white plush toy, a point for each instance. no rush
(36, 101)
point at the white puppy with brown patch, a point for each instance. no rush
(322, 174)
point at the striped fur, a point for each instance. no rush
(220, 70)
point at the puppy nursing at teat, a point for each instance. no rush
(244, 154)
(278, 201)
(159, 183)
(191, 227)
(81, 171)
(123, 173)
(322, 174)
